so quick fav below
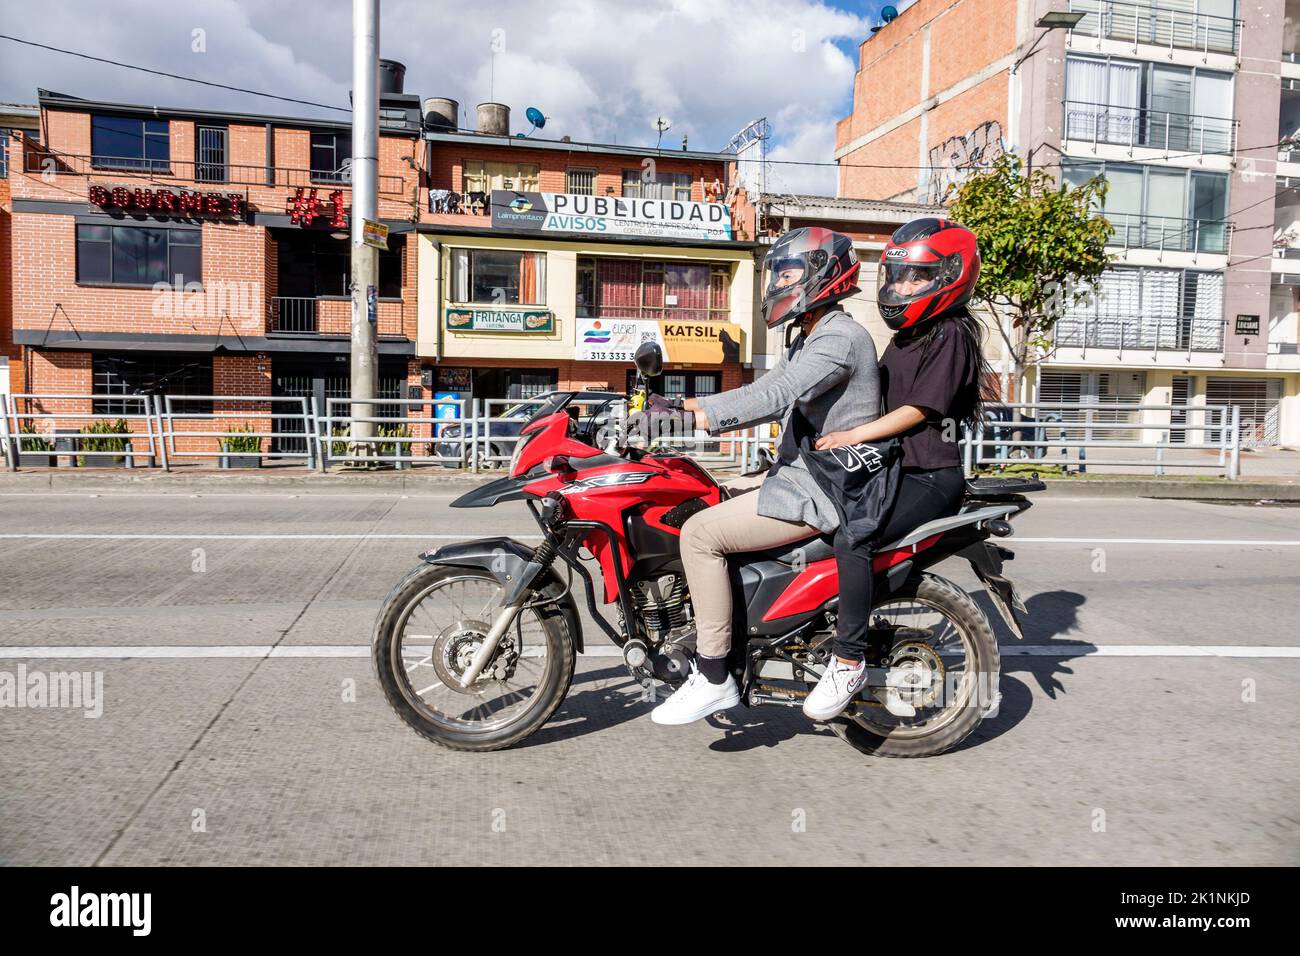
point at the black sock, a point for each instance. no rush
(714, 669)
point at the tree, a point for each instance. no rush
(1042, 245)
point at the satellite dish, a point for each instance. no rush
(536, 117)
(663, 124)
(889, 14)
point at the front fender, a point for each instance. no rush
(507, 560)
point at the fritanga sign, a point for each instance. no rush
(570, 213)
(500, 320)
(179, 202)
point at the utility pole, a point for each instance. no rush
(365, 205)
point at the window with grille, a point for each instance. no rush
(4, 153)
(121, 376)
(580, 181)
(653, 289)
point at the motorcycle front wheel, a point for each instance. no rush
(427, 632)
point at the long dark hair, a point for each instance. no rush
(975, 389)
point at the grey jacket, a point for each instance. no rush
(831, 376)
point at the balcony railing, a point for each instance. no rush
(1140, 332)
(1168, 233)
(1289, 154)
(40, 162)
(1142, 23)
(330, 315)
(1133, 126)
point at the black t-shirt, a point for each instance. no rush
(932, 372)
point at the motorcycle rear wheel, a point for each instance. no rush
(539, 633)
(873, 731)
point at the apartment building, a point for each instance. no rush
(545, 262)
(1181, 105)
(15, 118)
(196, 252)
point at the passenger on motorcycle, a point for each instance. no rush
(932, 374)
(829, 374)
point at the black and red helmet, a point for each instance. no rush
(804, 270)
(928, 269)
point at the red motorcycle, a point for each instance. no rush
(475, 647)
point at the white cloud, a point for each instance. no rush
(600, 69)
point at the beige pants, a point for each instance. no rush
(708, 537)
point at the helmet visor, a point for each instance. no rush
(782, 273)
(899, 283)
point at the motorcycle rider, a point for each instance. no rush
(932, 373)
(829, 373)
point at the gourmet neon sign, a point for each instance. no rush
(179, 202)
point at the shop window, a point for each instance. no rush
(136, 255)
(681, 384)
(498, 277)
(331, 157)
(650, 289)
(142, 374)
(639, 184)
(128, 142)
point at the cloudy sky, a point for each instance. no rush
(601, 70)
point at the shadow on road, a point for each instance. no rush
(605, 698)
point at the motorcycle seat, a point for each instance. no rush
(807, 550)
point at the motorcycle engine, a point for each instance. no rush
(662, 605)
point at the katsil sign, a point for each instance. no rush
(571, 214)
(616, 340)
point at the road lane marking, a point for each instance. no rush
(303, 651)
(83, 536)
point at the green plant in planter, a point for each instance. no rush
(104, 436)
(392, 448)
(30, 441)
(242, 441)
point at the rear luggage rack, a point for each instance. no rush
(993, 488)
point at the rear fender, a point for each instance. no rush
(986, 559)
(509, 562)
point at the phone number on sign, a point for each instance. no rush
(607, 355)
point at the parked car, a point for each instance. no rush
(1001, 428)
(506, 426)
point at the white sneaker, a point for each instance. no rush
(839, 684)
(696, 698)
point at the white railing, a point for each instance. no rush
(1154, 333)
(1147, 23)
(1062, 433)
(460, 433)
(1136, 126)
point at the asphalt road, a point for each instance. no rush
(1152, 719)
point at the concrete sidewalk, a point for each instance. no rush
(444, 482)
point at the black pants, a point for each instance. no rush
(922, 496)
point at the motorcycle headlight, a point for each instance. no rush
(519, 450)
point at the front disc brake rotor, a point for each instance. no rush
(454, 649)
(917, 673)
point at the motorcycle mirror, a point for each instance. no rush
(649, 359)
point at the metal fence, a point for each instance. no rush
(257, 430)
(1066, 433)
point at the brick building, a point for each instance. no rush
(183, 251)
(14, 118)
(1183, 106)
(544, 262)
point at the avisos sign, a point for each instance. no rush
(573, 214)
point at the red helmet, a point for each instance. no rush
(928, 268)
(804, 270)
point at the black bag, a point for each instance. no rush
(861, 480)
